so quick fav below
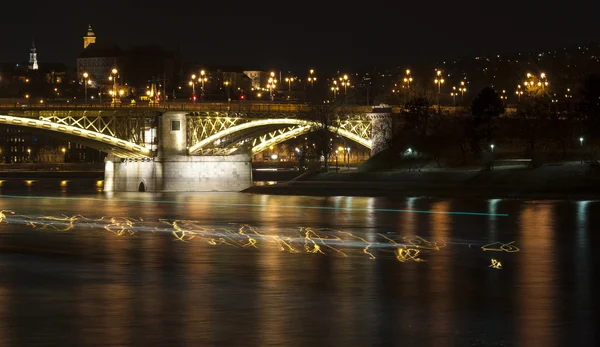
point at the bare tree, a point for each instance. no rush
(323, 118)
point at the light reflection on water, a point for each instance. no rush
(127, 279)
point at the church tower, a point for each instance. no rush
(89, 38)
(33, 64)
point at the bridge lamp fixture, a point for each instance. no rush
(63, 150)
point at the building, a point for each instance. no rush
(33, 63)
(98, 60)
(89, 38)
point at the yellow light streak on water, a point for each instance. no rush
(295, 240)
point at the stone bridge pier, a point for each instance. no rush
(382, 128)
(172, 169)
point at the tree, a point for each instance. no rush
(534, 114)
(323, 118)
(589, 110)
(485, 109)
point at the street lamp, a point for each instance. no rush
(113, 77)
(439, 81)
(192, 83)
(492, 147)
(335, 89)
(203, 79)
(581, 143)
(85, 83)
(289, 80)
(64, 152)
(408, 79)
(272, 83)
(519, 92)
(226, 84)
(311, 77)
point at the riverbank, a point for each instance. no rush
(570, 180)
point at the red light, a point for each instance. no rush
(242, 97)
(194, 98)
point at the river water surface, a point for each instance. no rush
(82, 268)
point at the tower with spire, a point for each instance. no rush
(33, 63)
(89, 38)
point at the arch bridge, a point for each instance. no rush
(206, 148)
(212, 129)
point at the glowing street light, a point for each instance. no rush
(335, 89)
(202, 79)
(272, 83)
(113, 77)
(439, 81)
(85, 84)
(192, 83)
(408, 79)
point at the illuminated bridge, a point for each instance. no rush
(186, 146)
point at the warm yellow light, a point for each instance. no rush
(272, 74)
(63, 150)
(114, 71)
(193, 77)
(226, 83)
(345, 77)
(191, 83)
(121, 92)
(439, 73)
(26, 96)
(202, 72)
(407, 71)
(41, 101)
(435, 80)
(85, 75)
(148, 92)
(543, 75)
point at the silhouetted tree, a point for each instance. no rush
(485, 109)
(589, 110)
(323, 118)
(534, 114)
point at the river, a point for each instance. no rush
(79, 267)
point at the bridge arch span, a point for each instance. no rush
(305, 127)
(105, 143)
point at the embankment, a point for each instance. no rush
(558, 181)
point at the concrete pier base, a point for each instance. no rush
(179, 173)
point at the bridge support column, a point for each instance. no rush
(382, 128)
(174, 170)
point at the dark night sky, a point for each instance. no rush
(298, 35)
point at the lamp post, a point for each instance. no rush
(408, 79)
(311, 77)
(439, 81)
(519, 92)
(335, 89)
(203, 79)
(85, 83)
(345, 83)
(581, 143)
(226, 84)
(192, 84)
(64, 152)
(289, 81)
(113, 77)
(272, 83)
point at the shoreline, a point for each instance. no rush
(567, 182)
(438, 192)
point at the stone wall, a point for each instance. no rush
(180, 174)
